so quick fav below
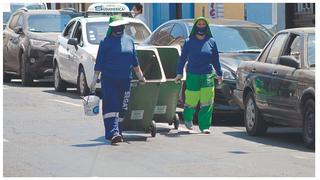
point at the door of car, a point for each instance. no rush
(262, 72)
(284, 84)
(64, 51)
(11, 45)
(75, 52)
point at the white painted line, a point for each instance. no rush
(4, 140)
(66, 102)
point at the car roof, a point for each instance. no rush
(106, 19)
(31, 12)
(220, 21)
(304, 30)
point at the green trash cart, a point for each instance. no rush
(165, 110)
(144, 96)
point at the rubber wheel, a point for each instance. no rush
(254, 122)
(309, 124)
(153, 129)
(25, 75)
(59, 84)
(176, 121)
(6, 77)
(83, 88)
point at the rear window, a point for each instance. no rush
(96, 31)
(48, 22)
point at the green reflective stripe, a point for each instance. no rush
(206, 95)
(192, 97)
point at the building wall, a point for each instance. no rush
(234, 11)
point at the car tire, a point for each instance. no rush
(6, 77)
(309, 123)
(254, 122)
(83, 88)
(26, 77)
(59, 84)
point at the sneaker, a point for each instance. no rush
(206, 131)
(116, 138)
(188, 124)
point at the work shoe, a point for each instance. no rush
(206, 131)
(188, 124)
(116, 138)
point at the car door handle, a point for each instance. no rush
(274, 73)
(253, 70)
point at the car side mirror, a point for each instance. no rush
(74, 42)
(289, 61)
(18, 30)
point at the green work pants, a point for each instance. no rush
(199, 88)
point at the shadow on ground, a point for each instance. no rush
(289, 138)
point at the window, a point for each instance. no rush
(276, 48)
(239, 38)
(304, 7)
(311, 50)
(162, 36)
(20, 21)
(13, 21)
(294, 47)
(96, 31)
(78, 34)
(68, 30)
(178, 34)
(39, 22)
(265, 53)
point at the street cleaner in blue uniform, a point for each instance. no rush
(115, 59)
(201, 53)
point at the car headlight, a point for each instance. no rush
(35, 42)
(227, 74)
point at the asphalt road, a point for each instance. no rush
(46, 134)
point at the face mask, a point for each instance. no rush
(201, 31)
(118, 30)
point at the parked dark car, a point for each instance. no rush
(279, 87)
(29, 41)
(236, 40)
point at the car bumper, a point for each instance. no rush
(40, 62)
(224, 101)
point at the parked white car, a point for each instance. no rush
(77, 47)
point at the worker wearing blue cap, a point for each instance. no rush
(115, 59)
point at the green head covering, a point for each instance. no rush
(195, 24)
(112, 19)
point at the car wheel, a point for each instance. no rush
(254, 122)
(309, 124)
(82, 83)
(26, 78)
(59, 84)
(6, 77)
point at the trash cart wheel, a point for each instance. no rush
(176, 121)
(153, 129)
(170, 123)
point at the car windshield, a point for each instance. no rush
(39, 22)
(96, 31)
(239, 38)
(14, 7)
(311, 50)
